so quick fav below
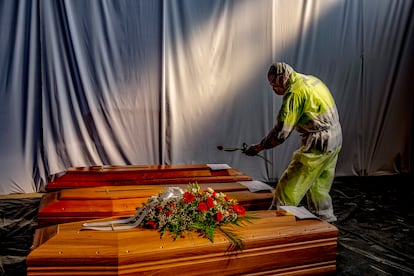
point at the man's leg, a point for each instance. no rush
(319, 200)
(295, 181)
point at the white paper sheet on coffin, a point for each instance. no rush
(217, 167)
(255, 186)
(299, 212)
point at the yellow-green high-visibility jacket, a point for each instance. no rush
(309, 107)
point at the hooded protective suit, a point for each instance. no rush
(308, 107)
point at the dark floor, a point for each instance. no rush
(375, 222)
(376, 225)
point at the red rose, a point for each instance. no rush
(239, 209)
(202, 207)
(219, 216)
(188, 197)
(210, 203)
(220, 147)
(152, 224)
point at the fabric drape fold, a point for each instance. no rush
(87, 83)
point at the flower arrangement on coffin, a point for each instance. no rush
(194, 210)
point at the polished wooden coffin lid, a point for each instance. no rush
(98, 202)
(273, 245)
(143, 174)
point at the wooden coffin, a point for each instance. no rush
(145, 174)
(273, 245)
(99, 202)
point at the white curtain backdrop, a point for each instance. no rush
(97, 82)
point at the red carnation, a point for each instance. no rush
(188, 197)
(210, 203)
(202, 207)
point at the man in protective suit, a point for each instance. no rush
(309, 107)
